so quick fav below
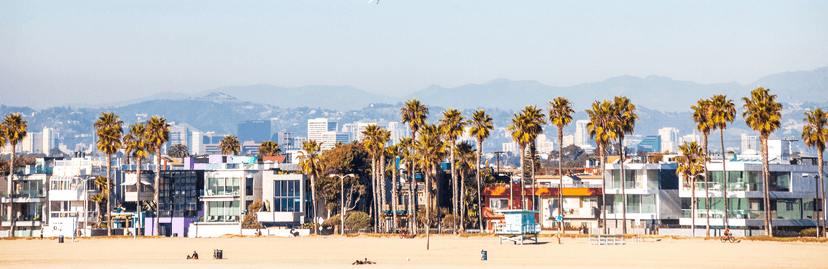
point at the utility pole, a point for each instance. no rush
(497, 154)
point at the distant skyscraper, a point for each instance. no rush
(48, 141)
(669, 138)
(511, 147)
(581, 133)
(254, 130)
(749, 142)
(354, 130)
(651, 143)
(329, 139)
(544, 145)
(398, 131)
(319, 125)
(197, 145)
(568, 140)
(178, 135)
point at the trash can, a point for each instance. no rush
(175, 235)
(217, 254)
(60, 238)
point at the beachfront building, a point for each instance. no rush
(70, 187)
(228, 191)
(284, 195)
(581, 201)
(178, 202)
(29, 208)
(792, 186)
(652, 197)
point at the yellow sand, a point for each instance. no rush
(446, 252)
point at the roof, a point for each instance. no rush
(275, 159)
(171, 160)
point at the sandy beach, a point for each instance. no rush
(446, 252)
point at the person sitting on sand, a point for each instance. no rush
(195, 255)
(366, 261)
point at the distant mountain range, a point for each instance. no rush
(654, 92)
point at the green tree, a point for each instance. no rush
(702, 117)
(689, 168)
(371, 137)
(624, 120)
(416, 115)
(310, 161)
(431, 149)
(536, 121)
(601, 128)
(157, 133)
(14, 130)
(109, 130)
(520, 134)
(815, 135)
(481, 127)
(453, 124)
(135, 145)
(230, 145)
(269, 148)
(722, 111)
(560, 114)
(762, 113)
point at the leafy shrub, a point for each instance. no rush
(357, 220)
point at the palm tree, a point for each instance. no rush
(104, 184)
(815, 135)
(406, 151)
(624, 118)
(690, 166)
(230, 145)
(431, 149)
(536, 121)
(762, 113)
(701, 116)
(370, 136)
(481, 127)
(416, 115)
(601, 128)
(109, 129)
(393, 151)
(179, 151)
(466, 156)
(310, 161)
(135, 145)
(269, 148)
(383, 137)
(520, 134)
(453, 124)
(560, 114)
(14, 130)
(722, 111)
(156, 134)
(98, 199)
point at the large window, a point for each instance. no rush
(780, 181)
(223, 211)
(502, 203)
(736, 180)
(652, 179)
(223, 186)
(286, 196)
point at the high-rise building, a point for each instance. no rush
(581, 133)
(749, 142)
(651, 143)
(329, 139)
(254, 130)
(178, 135)
(197, 145)
(568, 140)
(511, 147)
(354, 130)
(398, 131)
(48, 141)
(544, 145)
(669, 138)
(319, 125)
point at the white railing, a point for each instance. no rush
(504, 228)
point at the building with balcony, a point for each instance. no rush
(652, 196)
(28, 199)
(226, 195)
(70, 187)
(285, 197)
(178, 203)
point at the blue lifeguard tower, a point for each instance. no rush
(519, 225)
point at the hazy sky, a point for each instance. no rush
(58, 52)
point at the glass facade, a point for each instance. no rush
(223, 211)
(223, 186)
(636, 203)
(286, 196)
(179, 192)
(634, 179)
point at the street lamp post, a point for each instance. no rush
(816, 192)
(342, 201)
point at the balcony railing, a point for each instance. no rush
(226, 218)
(735, 214)
(222, 192)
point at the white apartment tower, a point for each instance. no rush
(197, 144)
(669, 139)
(319, 125)
(581, 133)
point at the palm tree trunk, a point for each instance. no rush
(157, 188)
(693, 205)
(428, 205)
(412, 202)
(479, 205)
(10, 213)
(313, 200)
(822, 194)
(560, 178)
(603, 188)
(462, 205)
(108, 194)
(765, 185)
(706, 187)
(532, 159)
(724, 172)
(624, 185)
(138, 185)
(455, 203)
(374, 193)
(382, 185)
(394, 194)
(522, 176)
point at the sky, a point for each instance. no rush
(58, 52)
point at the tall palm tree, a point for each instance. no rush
(406, 150)
(481, 127)
(815, 135)
(466, 156)
(689, 167)
(393, 151)
(310, 161)
(762, 113)
(105, 185)
(431, 149)
(109, 130)
(722, 111)
(156, 134)
(383, 137)
(601, 128)
(560, 114)
(14, 129)
(135, 145)
(701, 116)
(370, 140)
(536, 121)
(230, 145)
(416, 115)
(624, 118)
(520, 134)
(453, 124)
(269, 148)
